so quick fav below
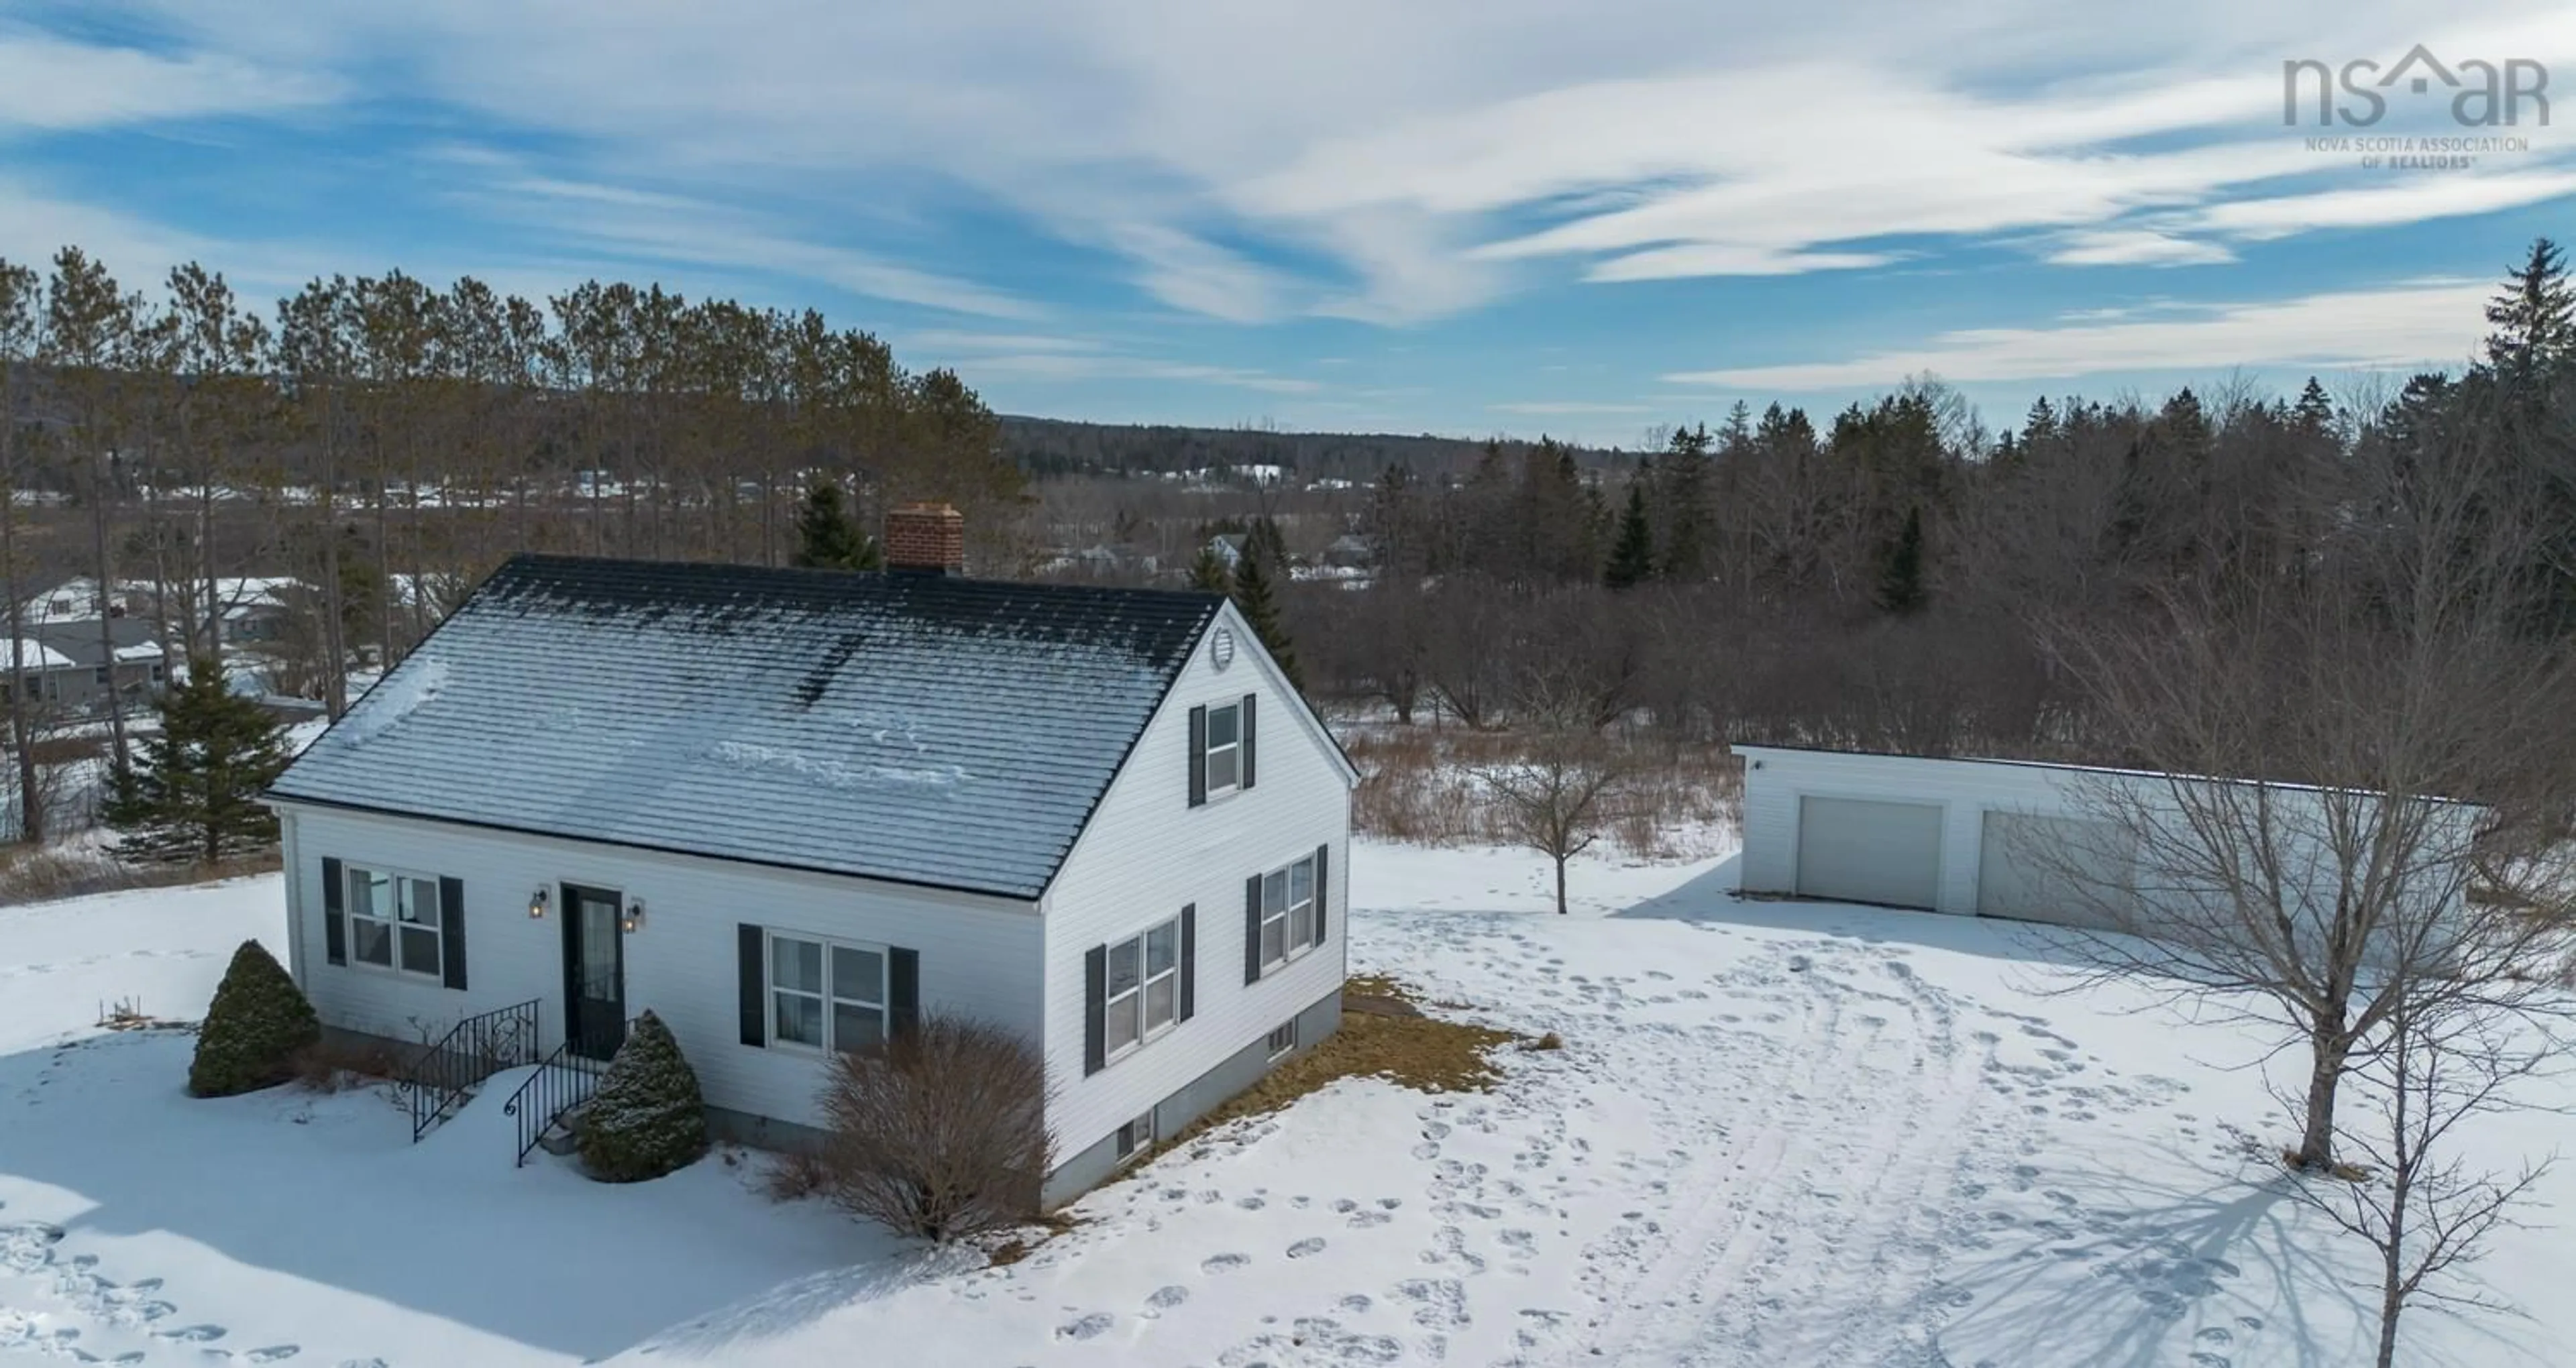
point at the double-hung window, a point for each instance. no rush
(394, 921)
(1288, 912)
(1143, 998)
(1224, 749)
(825, 994)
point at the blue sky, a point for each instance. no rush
(1433, 215)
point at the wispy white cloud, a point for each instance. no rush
(1568, 407)
(2427, 322)
(658, 226)
(1057, 367)
(54, 85)
(2135, 247)
(1396, 164)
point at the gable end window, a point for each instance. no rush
(825, 994)
(1287, 926)
(1142, 998)
(1221, 750)
(395, 922)
(1224, 749)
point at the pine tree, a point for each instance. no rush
(1208, 573)
(1632, 554)
(1900, 573)
(827, 537)
(1260, 608)
(2534, 317)
(2314, 413)
(1683, 493)
(253, 1030)
(647, 1118)
(193, 793)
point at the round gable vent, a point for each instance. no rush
(1221, 647)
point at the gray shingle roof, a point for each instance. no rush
(939, 731)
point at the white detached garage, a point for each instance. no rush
(1956, 836)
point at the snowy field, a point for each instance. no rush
(1779, 1135)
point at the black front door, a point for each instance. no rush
(594, 971)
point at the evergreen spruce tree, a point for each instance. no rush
(193, 793)
(1632, 553)
(2314, 413)
(1684, 494)
(1900, 574)
(1260, 608)
(253, 1030)
(1208, 572)
(2535, 319)
(647, 1118)
(827, 537)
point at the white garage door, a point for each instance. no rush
(2050, 869)
(1855, 850)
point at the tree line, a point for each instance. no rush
(387, 442)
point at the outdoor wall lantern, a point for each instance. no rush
(537, 903)
(634, 917)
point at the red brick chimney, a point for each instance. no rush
(926, 538)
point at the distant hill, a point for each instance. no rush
(1054, 446)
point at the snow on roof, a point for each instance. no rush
(918, 728)
(145, 651)
(36, 655)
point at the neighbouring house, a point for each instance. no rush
(2023, 840)
(792, 811)
(66, 665)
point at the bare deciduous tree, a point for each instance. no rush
(2424, 1210)
(1550, 797)
(2406, 727)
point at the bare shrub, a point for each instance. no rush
(940, 1131)
(1420, 785)
(794, 1176)
(45, 873)
(330, 1066)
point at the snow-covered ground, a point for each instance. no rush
(1778, 1134)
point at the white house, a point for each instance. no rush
(2045, 842)
(791, 811)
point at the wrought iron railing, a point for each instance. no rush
(563, 1081)
(442, 1076)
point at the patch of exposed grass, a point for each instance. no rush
(1383, 1035)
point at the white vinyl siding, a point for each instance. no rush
(980, 956)
(1138, 855)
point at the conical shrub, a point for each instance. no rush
(257, 1023)
(647, 1118)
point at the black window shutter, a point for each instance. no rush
(1247, 740)
(1189, 961)
(903, 991)
(749, 946)
(1252, 929)
(335, 912)
(451, 932)
(1198, 757)
(1323, 882)
(1095, 1002)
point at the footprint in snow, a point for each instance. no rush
(1092, 1326)
(1223, 1263)
(1165, 1298)
(1312, 1244)
(193, 1334)
(275, 1353)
